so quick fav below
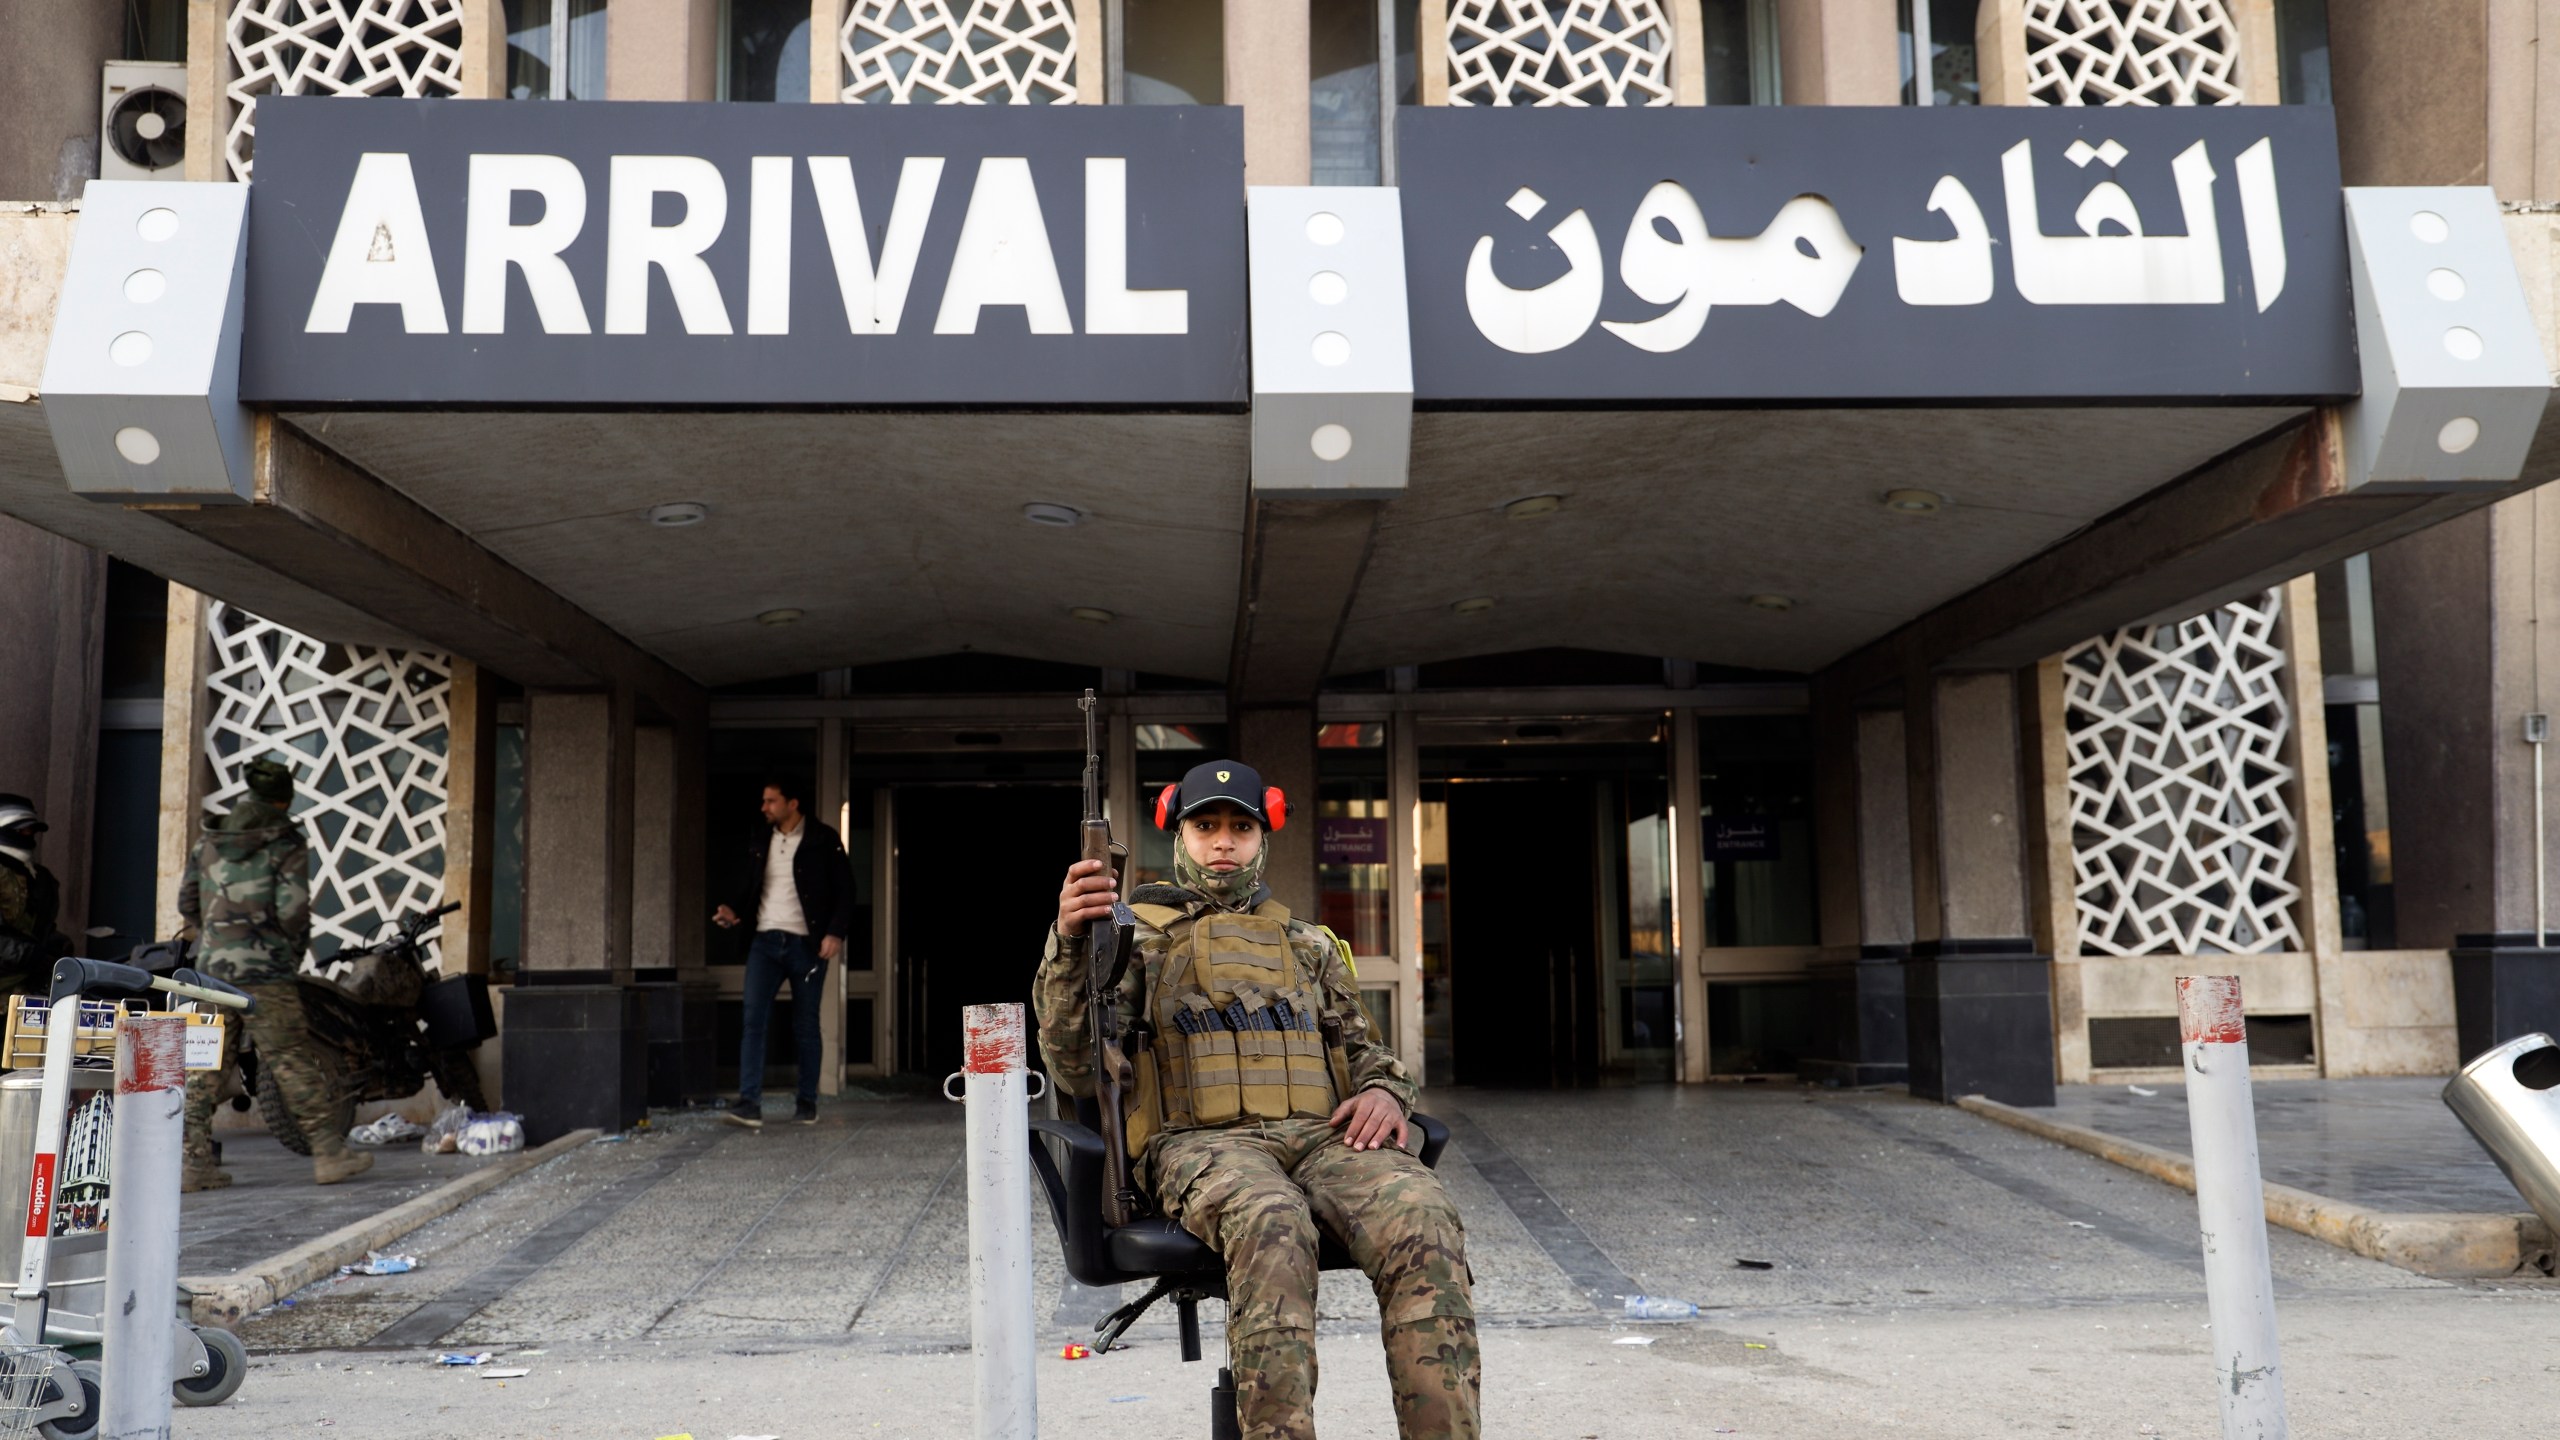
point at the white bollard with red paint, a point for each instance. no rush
(144, 1157)
(998, 1092)
(2231, 1205)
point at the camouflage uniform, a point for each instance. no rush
(29, 943)
(1258, 1189)
(248, 893)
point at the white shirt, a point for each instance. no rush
(779, 909)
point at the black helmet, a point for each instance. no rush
(1232, 781)
(18, 815)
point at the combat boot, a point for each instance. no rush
(342, 1165)
(204, 1177)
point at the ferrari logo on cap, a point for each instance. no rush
(1223, 776)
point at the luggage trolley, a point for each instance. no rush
(54, 1126)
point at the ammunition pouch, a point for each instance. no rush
(1238, 1026)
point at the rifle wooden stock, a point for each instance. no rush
(1107, 952)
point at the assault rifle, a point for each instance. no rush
(1107, 945)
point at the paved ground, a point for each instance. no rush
(2386, 1143)
(272, 1205)
(1931, 1274)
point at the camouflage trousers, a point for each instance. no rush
(1258, 1191)
(283, 1040)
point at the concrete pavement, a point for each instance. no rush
(1931, 1273)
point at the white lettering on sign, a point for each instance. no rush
(1805, 257)
(380, 255)
(1001, 255)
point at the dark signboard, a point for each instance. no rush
(491, 252)
(1742, 837)
(1809, 254)
(1351, 842)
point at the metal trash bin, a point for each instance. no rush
(2509, 1099)
(77, 1271)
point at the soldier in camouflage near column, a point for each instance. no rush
(29, 900)
(247, 900)
(1264, 1109)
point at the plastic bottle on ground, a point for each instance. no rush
(1655, 1307)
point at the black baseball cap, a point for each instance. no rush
(1232, 781)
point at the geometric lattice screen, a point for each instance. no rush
(365, 731)
(2132, 52)
(1558, 52)
(2183, 828)
(959, 52)
(407, 48)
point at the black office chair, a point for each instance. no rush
(1155, 1248)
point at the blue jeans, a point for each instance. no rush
(777, 954)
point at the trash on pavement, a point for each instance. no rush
(2138, 1090)
(498, 1134)
(1753, 1345)
(1741, 1264)
(515, 1374)
(2082, 1225)
(443, 1134)
(1655, 1307)
(390, 1129)
(1633, 1340)
(1075, 1352)
(377, 1263)
(458, 1358)
(1126, 1399)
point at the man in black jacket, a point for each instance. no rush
(799, 891)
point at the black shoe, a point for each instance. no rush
(805, 1113)
(748, 1113)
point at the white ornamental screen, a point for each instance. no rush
(959, 52)
(365, 731)
(408, 48)
(2183, 829)
(2132, 52)
(1558, 52)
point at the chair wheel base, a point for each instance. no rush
(1222, 1408)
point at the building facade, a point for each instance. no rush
(1888, 647)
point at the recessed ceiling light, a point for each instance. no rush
(679, 514)
(783, 616)
(1533, 507)
(1091, 614)
(1914, 502)
(1771, 602)
(1474, 605)
(1041, 512)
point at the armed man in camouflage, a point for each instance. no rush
(29, 900)
(1264, 1109)
(247, 897)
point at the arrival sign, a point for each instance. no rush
(1807, 254)
(499, 253)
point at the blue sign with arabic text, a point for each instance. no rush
(1791, 255)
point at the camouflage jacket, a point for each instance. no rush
(29, 901)
(1066, 1036)
(248, 893)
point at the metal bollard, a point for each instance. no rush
(2509, 1099)
(2231, 1206)
(997, 1090)
(142, 1239)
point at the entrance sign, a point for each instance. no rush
(488, 252)
(1855, 256)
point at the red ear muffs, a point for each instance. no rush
(1275, 805)
(1164, 806)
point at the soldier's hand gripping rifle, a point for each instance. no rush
(1107, 949)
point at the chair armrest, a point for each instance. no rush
(1075, 1197)
(1435, 1138)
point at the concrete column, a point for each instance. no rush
(2315, 856)
(1689, 898)
(470, 815)
(51, 52)
(663, 50)
(50, 655)
(2000, 51)
(653, 871)
(185, 776)
(1404, 883)
(1267, 75)
(1840, 52)
(484, 49)
(1281, 743)
(1980, 998)
(2461, 660)
(1688, 53)
(2410, 81)
(1862, 822)
(829, 802)
(1882, 786)
(578, 810)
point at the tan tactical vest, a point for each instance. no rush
(1240, 1032)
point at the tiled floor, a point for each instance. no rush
(2387, 1143)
